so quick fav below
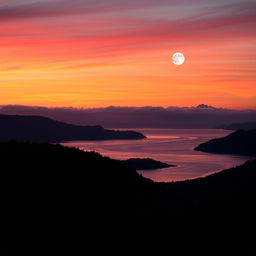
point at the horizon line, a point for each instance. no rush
(199, 106)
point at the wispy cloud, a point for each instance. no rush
(38, 8)
(120, 45)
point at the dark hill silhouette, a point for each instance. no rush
(221, 204)
(52, 194)
(72, 171)
(240, 126)
(239, 142)
(42, 129)
(144, 164)
(233, 186)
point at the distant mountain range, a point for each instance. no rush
(199, 117)
(239, 142)
(239, 126)
(42, 129)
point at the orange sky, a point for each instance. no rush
(100, 53)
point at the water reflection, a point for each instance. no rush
(173, 146)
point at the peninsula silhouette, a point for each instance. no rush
(43, 129)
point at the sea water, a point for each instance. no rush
(172, 146)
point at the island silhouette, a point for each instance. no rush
(144, 164)
(241, 142)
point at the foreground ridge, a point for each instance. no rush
(53, 191)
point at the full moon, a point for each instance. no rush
(178, 58)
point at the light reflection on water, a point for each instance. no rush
(173, 146)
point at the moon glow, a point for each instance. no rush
(178, 58)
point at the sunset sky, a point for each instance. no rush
(92, 53)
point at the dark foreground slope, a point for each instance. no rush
(239, 142)
(229, 192)
(62, 173)
(54, 199)
(42, 129)
(62, 199)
